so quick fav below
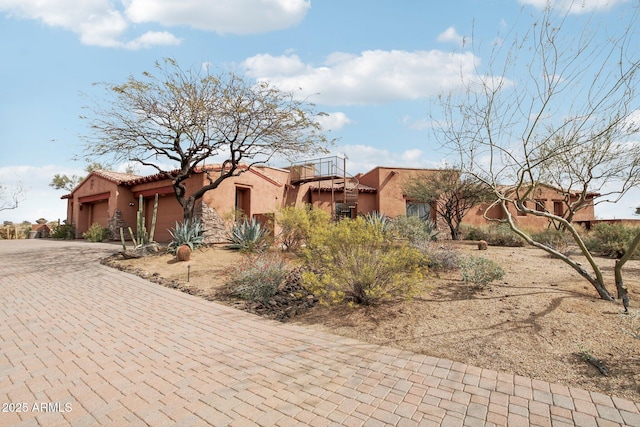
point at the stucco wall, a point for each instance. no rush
(263, 196)
(545, 196)
(97, 209)
(390, 182)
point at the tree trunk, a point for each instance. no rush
(620, 286)
(597, 282)
(453, 230)
(189, 209)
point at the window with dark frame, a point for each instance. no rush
(558, 208)
(421, 210)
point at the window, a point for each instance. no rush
(558, 208)
(421, 210)
(243, 201)
(343, 210)
(540, 205)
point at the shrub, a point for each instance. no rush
(630, 323)
(611, 239)
(257, 278)
(64, 231)
(439, 257)
(96, 233)
(555, 239)
(249, 236)
(469, 232)
(494, 235)
(296, 223)
(188, 233)
(414, 229)
(352, 260)
(479, 271)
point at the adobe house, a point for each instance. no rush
(545, 197)
(324, 184)
(390, 198)
(111, 199)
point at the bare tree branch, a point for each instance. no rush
(560, 111)
(10, 198)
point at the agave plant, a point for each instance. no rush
(188, 233)
(249, 236)
(379, 221)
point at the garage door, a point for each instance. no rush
(169, 211)
(100, 213)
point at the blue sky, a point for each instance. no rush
(376, 66)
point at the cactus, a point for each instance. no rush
(142, 237)
(153, 218)
(124, 245)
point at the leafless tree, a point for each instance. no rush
(556, 106)
(176, 119)
(10, 197)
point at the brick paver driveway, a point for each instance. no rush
(83, 344)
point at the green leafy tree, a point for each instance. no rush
(451, 195)
(68, 183)
(176, 119)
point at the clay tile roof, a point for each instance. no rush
(117, 177)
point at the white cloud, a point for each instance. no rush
(451, 35)
(373, 77)
(574, 6)
(333, 121)
(153, 38)
(221, 16)
(363, 158)
(632, 121)
(106, 23)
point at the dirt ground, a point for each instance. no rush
(537, 322)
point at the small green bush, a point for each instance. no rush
(414, 229)
(249, 236)
(296, 224)
(64, 231)
(558, 240)
(469, 232)
(479, 271)
(188, 233)
(257, 278)
(494, 235)
(611, 239)
(353, 261)
(96, 233)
